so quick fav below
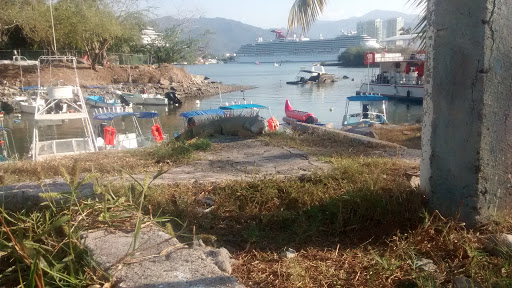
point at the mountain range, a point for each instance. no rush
(229, 35)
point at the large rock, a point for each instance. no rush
(159, 260)
(232, 126)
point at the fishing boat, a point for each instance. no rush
(109, 135)
(58, 96)
(102, 102)
(297, 115)
(398, 76)
(372, 110)
(314, 75)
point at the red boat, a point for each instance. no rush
(300, 116)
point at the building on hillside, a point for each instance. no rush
(149, 36)
(372, 28)
(410, 41)
(393, 26)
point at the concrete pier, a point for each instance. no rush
(467, 128)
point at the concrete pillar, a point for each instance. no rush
(466, 167)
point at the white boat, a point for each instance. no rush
(372, 110)
(145, 99)
(397, 77)
(314, 75)
(102, 102)
(300, 49)
(57, 97)
(29, 105)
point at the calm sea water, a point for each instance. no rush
(326, 101)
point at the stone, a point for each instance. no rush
(165, 82)
(425, 265)
(413, 178)
(23, 195)
(288, 253)
(466, 134)
(499, 245)
(464, 282)
(159, 260)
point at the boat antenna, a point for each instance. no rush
(368, 82)
(53, 28)
(220, 95)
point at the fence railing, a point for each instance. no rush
(113, 58)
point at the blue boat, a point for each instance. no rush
(101, 102)
(373, 110)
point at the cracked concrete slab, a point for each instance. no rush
(242, 160)
(159, 260)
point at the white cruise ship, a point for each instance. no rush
(283, 49)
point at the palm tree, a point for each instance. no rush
(305, 12)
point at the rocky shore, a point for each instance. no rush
(157, 79)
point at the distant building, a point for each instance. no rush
(149, 36)
(411, 41)
(372, 28)
(394, 26)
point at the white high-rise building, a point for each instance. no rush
(372, 28)
(394, 26)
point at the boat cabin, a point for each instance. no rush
(126, 133)
(372, 110)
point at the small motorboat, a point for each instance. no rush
(29, 105)
(315, 75)
(102, 102)
(299, 116)
(373, 110)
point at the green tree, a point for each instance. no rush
(352, 57)
(171, 47)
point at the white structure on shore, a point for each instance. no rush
(372, 28)
(411, 41)
(393, 26)
(149, 36)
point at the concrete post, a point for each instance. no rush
(466, 167)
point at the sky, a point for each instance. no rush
(269, 13)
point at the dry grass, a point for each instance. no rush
(104, 163)
(322, 144)
(405, 135)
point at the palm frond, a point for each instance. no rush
(421, 26)
(304, 13)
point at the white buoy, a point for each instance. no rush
(198, 102)
(332, 109)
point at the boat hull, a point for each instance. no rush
(288, 58)
(101, 104)
(413, 92)
(146, 101)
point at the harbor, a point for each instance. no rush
(326, 101)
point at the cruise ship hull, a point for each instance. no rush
(290, 58)
(300, 50)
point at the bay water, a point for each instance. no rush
(327, 101)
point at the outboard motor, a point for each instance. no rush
(172, 98)
(124, 101)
